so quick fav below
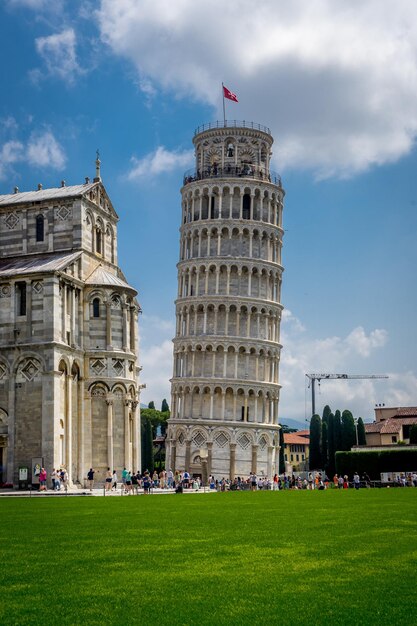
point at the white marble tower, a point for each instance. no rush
(225, 385)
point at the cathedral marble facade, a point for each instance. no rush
(69, 392)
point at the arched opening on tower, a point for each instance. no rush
(246, 206)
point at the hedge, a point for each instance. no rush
(373, 462)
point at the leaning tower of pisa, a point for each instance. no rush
(225, 385)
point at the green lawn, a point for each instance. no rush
(335, 557)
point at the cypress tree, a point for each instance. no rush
(281, 466)
(324, 445)
(164, 406)
(337, 431)
(331, 466)
(348, 431)
(315, 442)
(413, 434)
(326, 412)
(361, 432)
(147, 457)
(151, 405)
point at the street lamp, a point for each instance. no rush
(355, 421)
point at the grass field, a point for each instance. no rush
(335, 557)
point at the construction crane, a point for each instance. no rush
(320, 377)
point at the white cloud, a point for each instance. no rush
(352, 354)
(10, 152)
(336, 82)
(44, 150)
(364, 344)
(157, 365)
(158, 162)
(41, 150)
(58, 52)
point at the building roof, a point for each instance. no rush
(35, 263)
(45, 194)
(303, 433)
(294, 438)
(390, 426)
(406, 411)
(102, 277)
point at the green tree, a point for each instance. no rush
(326, 412)
(281, 467)
(331, 445)
(348, 431)
(147, 446)
(315, 442)
(337, 431)
(361, 432)
(413, 434)
(151, 405)
(324, 445)
(164, 406)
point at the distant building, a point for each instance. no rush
(296, 450)
(68, 335)
(391, 426)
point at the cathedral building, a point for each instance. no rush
(69, 393)
(225, 385)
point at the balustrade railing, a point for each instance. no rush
(231, 124)
(231, 171)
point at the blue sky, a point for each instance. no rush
(337, 85)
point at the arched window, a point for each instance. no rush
(96, 307)
(40, 228)
(98, 241)
(246, 207)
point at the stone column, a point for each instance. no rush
(68, 427)
(124, 327)
(80, 432)
(254, 458)
(132, 329)
(232, 461)
(127, 459)
(269, 471)
(137, 461)
(73, 342)
(173, 455)
(80, 320)
(187, 455)
(110, 433)
(209, 456)
(64, 311)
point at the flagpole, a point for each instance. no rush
(224, 109)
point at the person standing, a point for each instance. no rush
(64, 479)
(253, 481)
(128, 482)
(90, 478)
(53, 477)
(108, 479)
(124, 474)
(114, 480)
(356, 480)
(42, 479)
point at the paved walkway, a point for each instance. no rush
(95, 492)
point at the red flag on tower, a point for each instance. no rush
(229, 94)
